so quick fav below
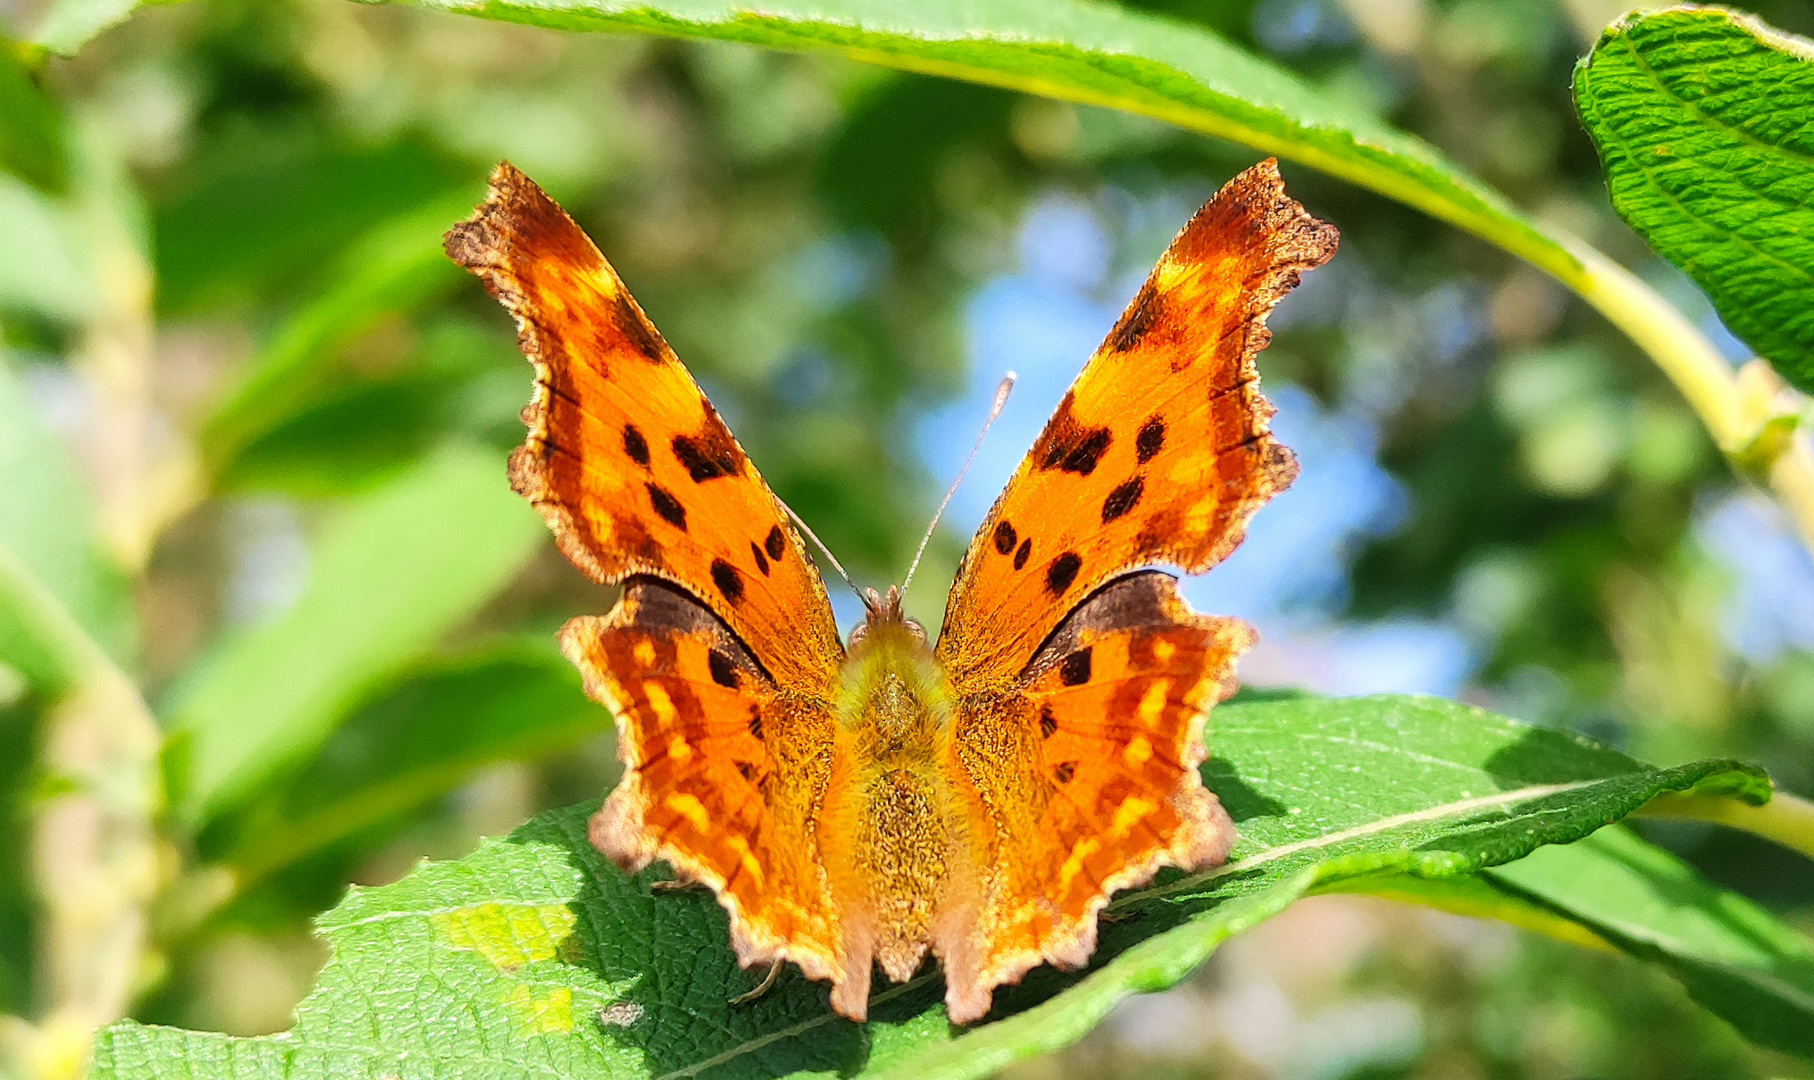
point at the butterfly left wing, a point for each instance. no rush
(724, 773)
(626, 459)
(1080, 688)
(721, 657)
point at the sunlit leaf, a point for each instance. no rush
(534, 956)
(1700, 117)
(1734, 958)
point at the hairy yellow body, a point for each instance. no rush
(894, 836)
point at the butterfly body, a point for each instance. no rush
(898, 820)
(977, 799)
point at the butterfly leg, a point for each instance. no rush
(767, 984)
(675, 885)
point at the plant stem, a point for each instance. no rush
(1710, 384)
(95, 852)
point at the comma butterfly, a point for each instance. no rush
(979, 798)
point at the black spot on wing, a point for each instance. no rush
(1079, 455)
(756, 721)
(1075, 668)
(723, 668)
(643, 337)
(761, 559)
(1048, 724)
(1062, 573)
(1122, 499)
(667, 507)
(728, 580)
(1151, 439)
(1064, 771)
(1146, 311)
(1025, 550)
(747, 771)
(1004, 538)
(636, 446)
(705, 457)
(776, 543)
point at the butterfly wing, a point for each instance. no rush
(626, 459)
(724, 772)
(1078, 727)
(720, 658)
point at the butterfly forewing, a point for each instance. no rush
(630, 465)
(1160, 451)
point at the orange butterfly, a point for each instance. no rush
(979, 798)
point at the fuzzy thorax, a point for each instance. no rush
(900, 815)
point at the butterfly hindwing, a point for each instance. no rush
(722, 770)
(626, 459)
(1103, 787)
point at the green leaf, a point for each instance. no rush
(1092, 53)
(33, 142)
(1733, 957)
(1613, 891)
(387, 580)
(535, 957)
(509, 701)
(259, 225)
(48, 269)
(393, 268)
(70, 24)
(1700, 118)
(57, 583)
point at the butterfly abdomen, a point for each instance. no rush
(898, 817)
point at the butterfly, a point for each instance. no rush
(979, 797)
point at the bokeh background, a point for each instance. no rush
(1501, 499)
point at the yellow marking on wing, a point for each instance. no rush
(1137, 752)
(644, 652)
(660, 704)
(1131, 810)
(1163, 650)
(1152, 703)
(690, 808)
(747, 858)
(679, 750)
(1073, 865)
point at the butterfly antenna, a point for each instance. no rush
(1001, 400)
(820, 544)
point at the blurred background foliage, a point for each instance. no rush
(283, 415)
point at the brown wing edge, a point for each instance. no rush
(517, 215)
(1254, 203)
(618, 829)
(1143, 598)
